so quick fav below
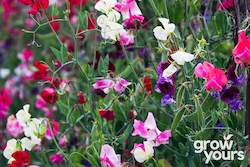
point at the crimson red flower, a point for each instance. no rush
(81, 97)
(107, 114)
(35, 5)
(147, 84)
(55, 25)
(49, 95)
(42, 71)
(22, 159)
(91, 23)
(78, 2)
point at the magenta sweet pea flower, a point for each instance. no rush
(148, 130)
(130, 12)
(55, 129)
(13, 127)
(56, 158)
(104, 85)
(26, 55)
(121, 85)
(215, 77)
(126, 38)
(163, 137)
(109, 158)
(241, 52)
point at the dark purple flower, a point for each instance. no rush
(230, 94)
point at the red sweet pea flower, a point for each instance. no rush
(91, 23)
(78, 2)
(42, 71)
(81, 97)
(22, 159)
(147, 84)
(49, 95)
(35, 5)
(107, 114)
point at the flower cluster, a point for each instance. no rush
(34, 130)
(108, 21)
(154, 138)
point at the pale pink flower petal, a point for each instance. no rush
(108, 157)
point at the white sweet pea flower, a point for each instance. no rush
(105, 6)
(52, 2)
(180, 57)
(23, 115)
(169, 71)
(27, 143)
(10, 148)
(4, 72)
(143, 152)
(162, 33)
(34, 127)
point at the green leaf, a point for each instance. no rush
(177, 119)
(103, 65)
(180, 96)
(83, 19)
(199, 111)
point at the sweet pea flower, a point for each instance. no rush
(104, 85)
(25, 56)
(130, 12)
(181, 57)
(35, 5)
(5, 102)
(4, 73)
(55, 129)
(169, 71)
(126, 38)
(49, 95)
(215, 77)
(10, 148)
(23, 115)
(121, 85)
(241, 52)
(143, 152)
(149, 131)
(57, 158)
(106, 6)
(13, 127)
(162, 33)
(109, 158)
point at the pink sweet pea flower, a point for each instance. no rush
(126, 38)
(104, 85)
(163, 137)
(26, 55)
(139, 129)
(121, 85)
(149, 131)
(143, 152)
(130, 11)
(55, 129)
(241, 52)
(44, 106)
(56, 158)
(109, 158)
(215, 77)
(13, 127)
